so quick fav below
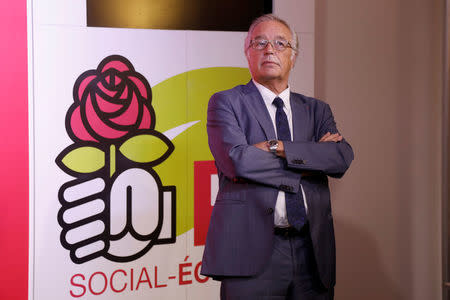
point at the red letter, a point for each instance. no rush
(156, 279)
(104, 288)
(202, 199)
(144, 271)
(181, 272)
(78, 285)
(132, 279)
(197, 274)
(112, 284)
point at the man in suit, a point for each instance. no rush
(271, 231)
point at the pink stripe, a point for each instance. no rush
(106, 106)
(130, 115)
(78, 128)
(115, 64)
(124, 93)
(83, 85)
(106, 91)
(14, 151)
(140, 86)
(98, 126)
(146, 119)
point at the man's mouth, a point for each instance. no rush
(269, 63)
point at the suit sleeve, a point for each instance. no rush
(235, 158)
(331, 158)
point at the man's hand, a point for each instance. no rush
(263, 146)
(328, 137)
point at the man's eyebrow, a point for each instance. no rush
(278, 37)
(260, 37)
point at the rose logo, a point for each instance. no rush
(117, 206)
(110, 102)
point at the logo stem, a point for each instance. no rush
(112, 160)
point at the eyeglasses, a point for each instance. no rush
(278, 45)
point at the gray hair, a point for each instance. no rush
(271, 17)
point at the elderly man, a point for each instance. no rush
(271, 231)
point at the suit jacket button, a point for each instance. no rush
(299, 161)
(289, 188)
(286, 188)
(270, 211)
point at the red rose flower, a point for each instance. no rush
(111, 102)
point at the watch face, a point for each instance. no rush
(273, 145)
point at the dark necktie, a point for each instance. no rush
(295, 207)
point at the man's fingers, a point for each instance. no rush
(324, 137)
(328, 137)
(335, 137)
(262, 146)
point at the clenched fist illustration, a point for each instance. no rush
(117, 207)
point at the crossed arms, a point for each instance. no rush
(328, 137)
(236, 158)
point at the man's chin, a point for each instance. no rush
(270, 65)
(269, 75)
(270, 69)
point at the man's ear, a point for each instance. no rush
(294, 59)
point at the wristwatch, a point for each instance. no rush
(273, 145)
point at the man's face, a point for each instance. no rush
(269, 64)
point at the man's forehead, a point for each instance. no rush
(274, 29)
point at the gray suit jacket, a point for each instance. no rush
(240, 234)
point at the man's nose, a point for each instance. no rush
(269, 48)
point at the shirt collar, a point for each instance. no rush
(268, 95)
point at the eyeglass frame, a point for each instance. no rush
(271, 42)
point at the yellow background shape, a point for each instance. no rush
(179, 100)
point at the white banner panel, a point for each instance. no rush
(79, 256)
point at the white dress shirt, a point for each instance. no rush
(268, 96)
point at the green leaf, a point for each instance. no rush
(144, 148)
(84, 159)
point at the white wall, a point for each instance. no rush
(378, 64)
(300, 14)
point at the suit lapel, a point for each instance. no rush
(299, 118)
(256, 105)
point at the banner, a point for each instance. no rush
(123, 172)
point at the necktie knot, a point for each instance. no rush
(278, 102)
